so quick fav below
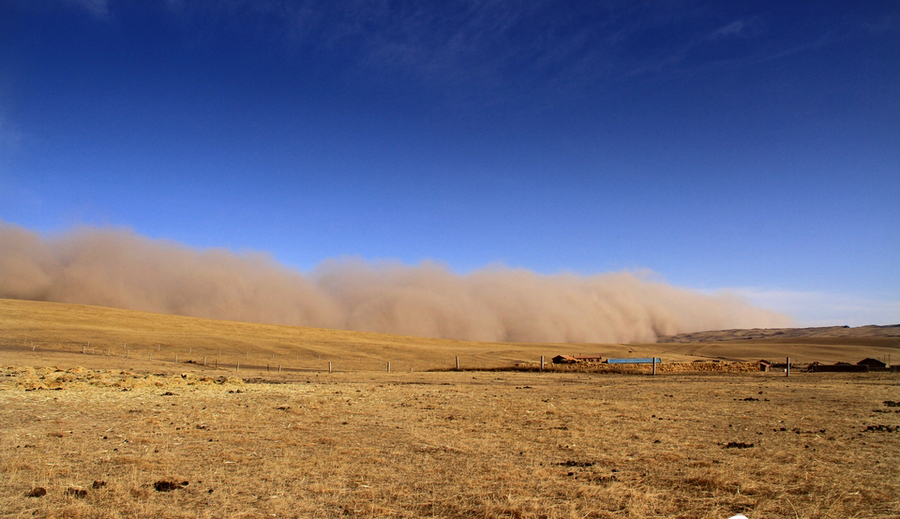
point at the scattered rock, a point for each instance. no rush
(76, 492)
(37, 492)
(891, 403)
(169, 393)
(573, 463)
(883, 428)
(98, 484)
(169, 485)
(738, 445)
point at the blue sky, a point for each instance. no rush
(751, 147)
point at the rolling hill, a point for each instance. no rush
(50, 333)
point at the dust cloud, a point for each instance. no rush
(118, 268)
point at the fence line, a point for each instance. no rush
(259, 360)
(174, 354)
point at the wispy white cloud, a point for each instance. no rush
(732, 29)
(493, 50)
(99, 8)
(742, 28)
(822, 308)
(888, 22)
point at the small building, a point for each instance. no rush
(872, 363)
(837, 367)
(765, 365)
(564, 359)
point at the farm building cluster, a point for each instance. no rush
(863, 366)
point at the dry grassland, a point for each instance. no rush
(149, 340)
(140, 437)
(457, 444)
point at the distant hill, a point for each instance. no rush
(55, 334)
(778, 334)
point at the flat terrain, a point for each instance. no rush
(101, 434)
(453, 444)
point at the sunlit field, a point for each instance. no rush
(96, 435)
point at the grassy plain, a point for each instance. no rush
(116, 436)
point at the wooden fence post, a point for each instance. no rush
(176, 358)
(457, 363)
(329, 366)
(654, 365)
(787, 369)
(542, 363)
(389, 367)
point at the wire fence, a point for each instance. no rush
(250, 359)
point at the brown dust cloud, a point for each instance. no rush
(119, 268)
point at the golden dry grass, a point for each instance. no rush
(452, 444)
(54, 329)
(115, 436)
